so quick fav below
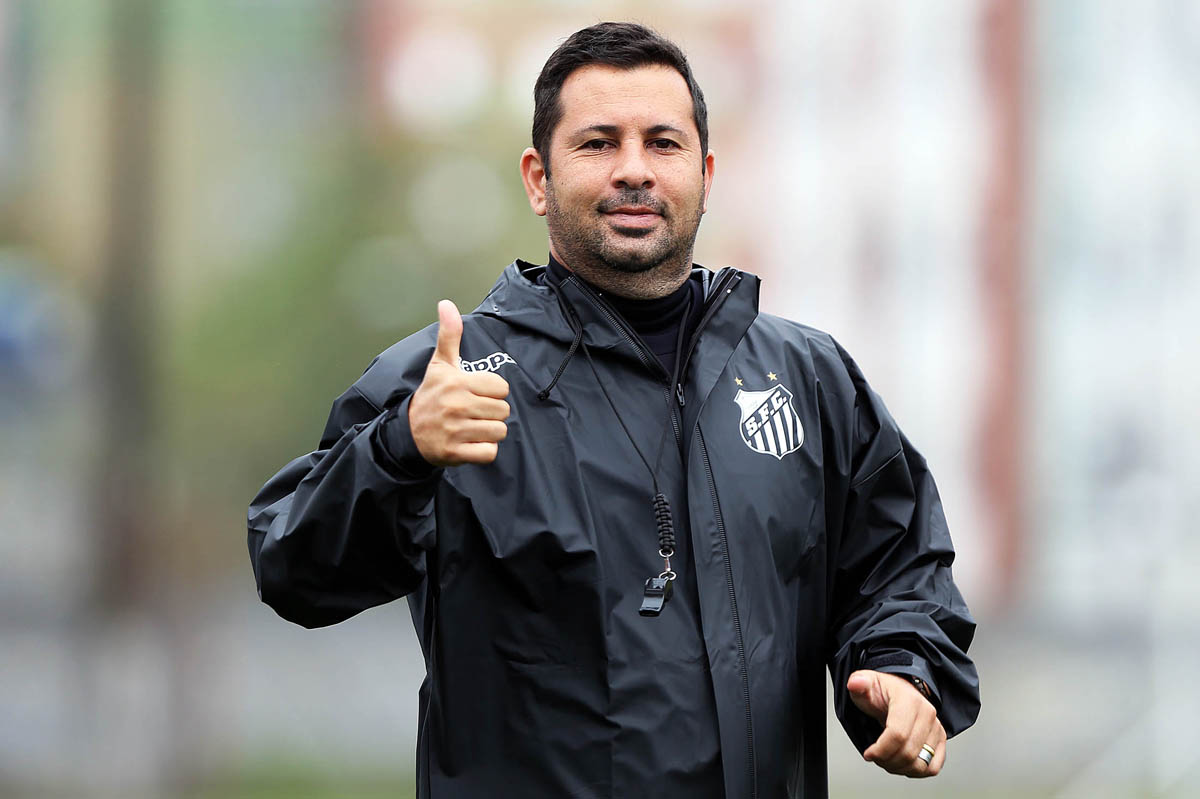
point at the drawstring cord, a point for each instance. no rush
(577, 328)
(544, 394)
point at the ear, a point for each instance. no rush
(710, 162)
(533, 175)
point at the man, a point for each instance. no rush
(635, 518)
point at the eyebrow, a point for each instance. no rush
(613, 130)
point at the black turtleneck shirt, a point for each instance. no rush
(663, 323)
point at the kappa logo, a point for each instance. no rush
(769, 422)
(491, 363)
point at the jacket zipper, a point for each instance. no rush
(674, 387)
(737, 624)
(718, 295)
(650, 362)
(720, 291)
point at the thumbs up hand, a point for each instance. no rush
(457, 417)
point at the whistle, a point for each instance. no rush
(655, 595)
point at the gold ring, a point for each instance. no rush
(927, 753)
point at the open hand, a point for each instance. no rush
(457, 417)
(908, 718)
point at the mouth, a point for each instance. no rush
(633, 216)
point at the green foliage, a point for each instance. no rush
(251, 368)
(271, 778)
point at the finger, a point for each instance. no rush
(475, 452)
(939, 755)
(922, 732)
(867, 694)
(487, 384)
(470, 431)
(488, 408)
(450, 328)
(890, 748)
(917, 767)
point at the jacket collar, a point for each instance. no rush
(719, 337)
(522, 300)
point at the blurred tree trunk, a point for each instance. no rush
(127, 633)
(1003, 267)
(124, 491)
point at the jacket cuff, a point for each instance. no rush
(904, 664)
(398, 446)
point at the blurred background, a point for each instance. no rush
(214, 213)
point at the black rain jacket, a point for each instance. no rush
(811, 536)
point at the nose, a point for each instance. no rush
(632, 169)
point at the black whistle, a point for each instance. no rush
(656, 594)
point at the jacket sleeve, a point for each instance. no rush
(346, 527)
(894, 605)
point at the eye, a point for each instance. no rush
(595, 144)
(663, 144)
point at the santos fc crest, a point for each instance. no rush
(769, 421)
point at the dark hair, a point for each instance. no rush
(624, 45)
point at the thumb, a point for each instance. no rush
(867, 694)
(450, 328)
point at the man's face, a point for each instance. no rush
(626, 189)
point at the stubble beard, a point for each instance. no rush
(603, 256)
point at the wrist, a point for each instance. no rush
(920, 685)
(400, 445)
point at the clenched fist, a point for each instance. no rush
(908, 720)
(455, 416)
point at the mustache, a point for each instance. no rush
(636, 197)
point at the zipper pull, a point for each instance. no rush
(679, 394)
